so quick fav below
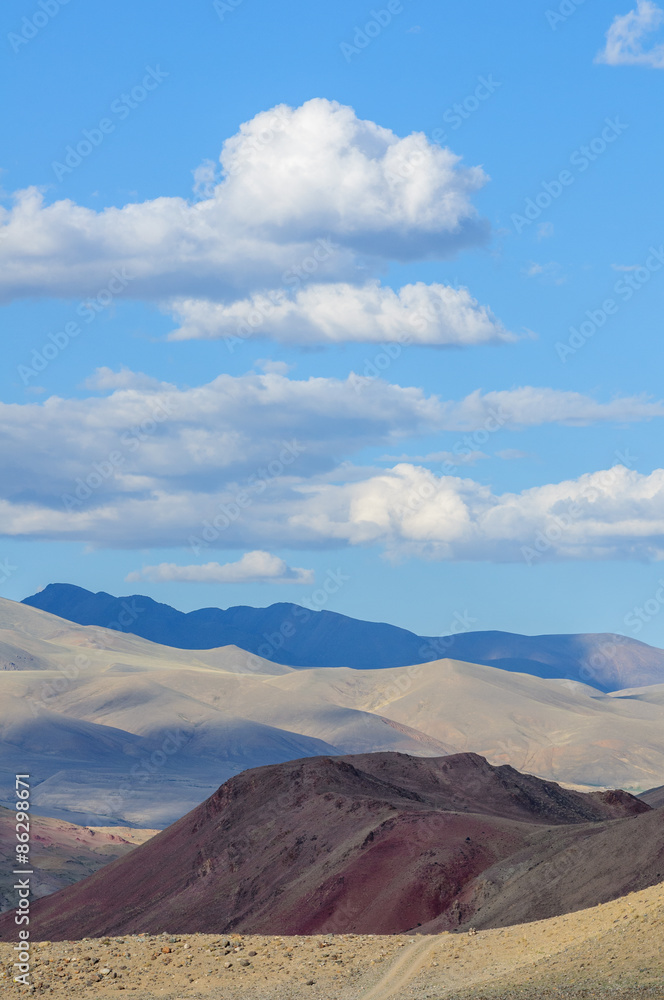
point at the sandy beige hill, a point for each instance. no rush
(323, 638)
(118, 730)
(611, 951)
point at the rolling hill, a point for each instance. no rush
(654, 797)
(119, 730)
(297, 637)
(371, 844)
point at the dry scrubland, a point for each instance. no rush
(614, 950)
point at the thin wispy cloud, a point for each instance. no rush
(151, 464)
(253, 567)
(551, 271)
(168, 439)
(436, 457)
(512, 454)
(635, 38)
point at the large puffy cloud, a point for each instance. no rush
(406, 511)
(626, 39)
(294, 180)
(334, 313)
(253, 567)
(616, 513)
(143, 435)
(320, 169)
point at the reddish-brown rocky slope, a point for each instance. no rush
(374, 843)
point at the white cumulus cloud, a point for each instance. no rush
(341, 312)
(409, 511)
(405, 511)
(319, 169)
(303, 187)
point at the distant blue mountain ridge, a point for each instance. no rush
(298, 637)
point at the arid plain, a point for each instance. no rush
(613, 950)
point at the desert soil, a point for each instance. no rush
(615, 950)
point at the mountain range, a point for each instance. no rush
(118, 730)
(298, 637)
(371, 844)
(378, 800)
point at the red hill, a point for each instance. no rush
(374, 843)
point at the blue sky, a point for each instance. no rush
(531, 532)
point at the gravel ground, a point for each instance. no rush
(612, 951)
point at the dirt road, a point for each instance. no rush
(615, 950)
